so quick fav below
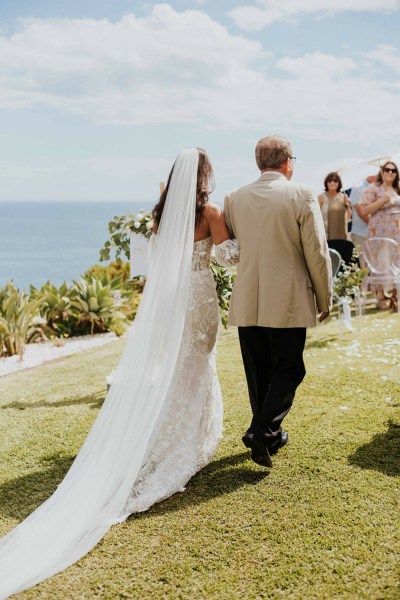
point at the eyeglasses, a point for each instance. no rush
(388, 170)
(293, 158)
(333, 181)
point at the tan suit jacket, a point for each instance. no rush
(284, 273)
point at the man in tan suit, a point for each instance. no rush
(283, 280)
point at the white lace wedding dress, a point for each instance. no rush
(162, 417)
(191, 424)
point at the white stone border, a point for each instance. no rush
(44, 352)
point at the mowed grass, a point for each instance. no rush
(323, 523)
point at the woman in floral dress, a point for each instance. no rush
(381, 202)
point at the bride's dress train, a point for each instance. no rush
(162, 417)
(192, 423)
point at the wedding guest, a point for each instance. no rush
(380, 201)
(335, 208)
(359, 230)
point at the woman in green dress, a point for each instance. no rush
(335, 207)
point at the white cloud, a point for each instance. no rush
(266, 12)
(158, 69)
(386, 56)
(317, 64)
(185, 68)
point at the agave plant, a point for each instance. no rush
(55, 308)
(97, 305)
(17, 320)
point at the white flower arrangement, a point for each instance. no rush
(142, 223)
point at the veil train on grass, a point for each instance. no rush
(92, 496)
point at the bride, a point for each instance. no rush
(162, 418)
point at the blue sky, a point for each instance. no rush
(98, 97)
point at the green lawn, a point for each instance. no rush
(323, 523)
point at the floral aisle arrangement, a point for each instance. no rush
(346, 287)
(120, 229)
(349, 279)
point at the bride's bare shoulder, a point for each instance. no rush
(212, 212)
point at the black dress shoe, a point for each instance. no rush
(259, 451)
(284, 439)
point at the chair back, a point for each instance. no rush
(381, 255)
(345, 249)
(336, 261)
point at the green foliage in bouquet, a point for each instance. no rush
(120, 229)
(224, 279)
(18, 320)
(348, 281)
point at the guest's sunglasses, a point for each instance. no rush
(333, 181)
(388, 170)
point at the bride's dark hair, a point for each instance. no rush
(205, 185)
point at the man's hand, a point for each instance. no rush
(323, 316)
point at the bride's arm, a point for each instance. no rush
(216, 222)
(226, 250)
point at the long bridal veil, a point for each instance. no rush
(93, 494)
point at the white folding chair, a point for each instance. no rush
(382, 258)
(336, 261)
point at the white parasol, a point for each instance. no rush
(352, 171)
(381, 160)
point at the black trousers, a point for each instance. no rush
(273, 362)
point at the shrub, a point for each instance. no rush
(18, 320)
(116, 269)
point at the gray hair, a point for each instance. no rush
(272, 152)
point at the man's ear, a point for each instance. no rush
(285, 165)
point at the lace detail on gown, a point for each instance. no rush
(190, 426)
(227, 253)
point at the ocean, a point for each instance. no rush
(54, 241)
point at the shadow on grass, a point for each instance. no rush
(381, 453)
(21, 496)
(321, 343)
(219, 478)
(95, 400)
